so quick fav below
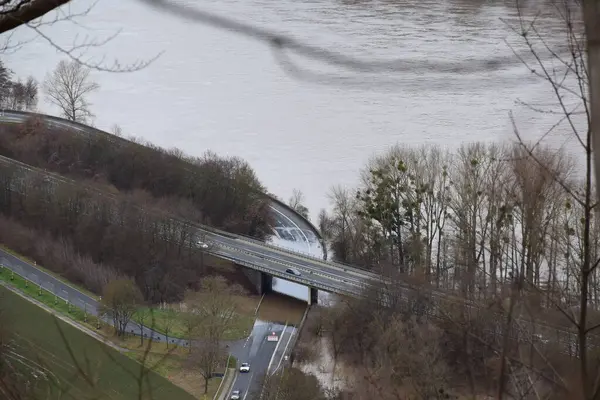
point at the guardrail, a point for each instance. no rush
(82, 127)
(60, 178)
(299, 329)
(283, 275)
(440, 296)
(300, 216)
(341, 266)
(218, 393)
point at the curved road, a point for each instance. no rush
(315, 272)
(289, 224)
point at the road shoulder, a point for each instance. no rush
(230, 376)
(69, 321)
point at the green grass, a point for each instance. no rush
(232, 362)
(39, 339)
(48, 298)
(57, 276)
(241, 328)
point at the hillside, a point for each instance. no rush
(85, 369)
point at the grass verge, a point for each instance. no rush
(48, 298)
(55, 275)
(240, 329)
(172, 360)
(83, 367)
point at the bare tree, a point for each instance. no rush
(68, 87)
(116, 130)
(296, 202)
(216, 307)
(142, 315)
(576, 84)
(120, 300)
(206, 357)
(170, 317)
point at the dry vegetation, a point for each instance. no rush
(221, 192)
(489, 256)
(95, 238)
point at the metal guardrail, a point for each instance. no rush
(296, 338)
(82, 127)
(218, 393)
(60, 178)
(440, 296)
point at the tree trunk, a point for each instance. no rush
(591, 18)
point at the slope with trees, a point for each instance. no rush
(221, 192)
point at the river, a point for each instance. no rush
(220, 91)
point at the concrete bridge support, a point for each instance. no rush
(263, 283)
(313, 297)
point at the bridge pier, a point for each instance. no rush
(313, 297)
(262, 283)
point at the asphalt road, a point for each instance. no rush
(244, 251)
(255, 349)
(286, 220)
(262, 355)
(328, 276)
(324, 275)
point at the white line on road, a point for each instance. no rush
(275, 351)
(249, 386)
(297, 227)
(284, 350)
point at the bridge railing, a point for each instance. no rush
(82, 127)
(357, 292)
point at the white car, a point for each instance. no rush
(235, 395)
(203, 245)
(293, 271)
(245, 367)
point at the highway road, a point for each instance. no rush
(286, 219)
(328, 276)
(242, 250)
(262, 355)
(255, 349)
(324, 275)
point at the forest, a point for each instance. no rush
(222, 192)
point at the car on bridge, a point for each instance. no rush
(203, 245)
(293, 271)
(245, 367)
(235, 395)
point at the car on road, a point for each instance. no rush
(293, 271)
(202, 245)
(235, 395)
(245, 367)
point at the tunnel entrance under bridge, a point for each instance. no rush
(265, 283)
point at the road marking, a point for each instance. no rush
(284, 350)
(275, 351)
(248, 388)
(297, 227)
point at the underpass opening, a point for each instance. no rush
(291, 289)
